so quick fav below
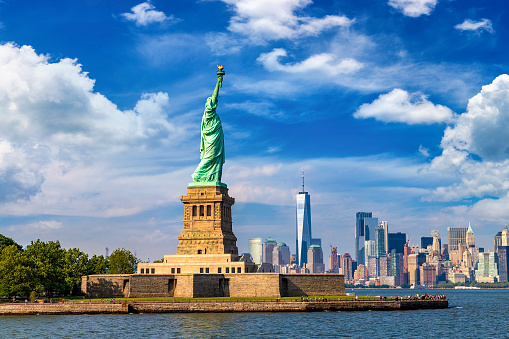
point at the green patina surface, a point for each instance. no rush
(210, 168)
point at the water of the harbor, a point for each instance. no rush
(471, 314)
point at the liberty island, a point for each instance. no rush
(207, 262)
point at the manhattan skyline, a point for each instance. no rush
(395, 107)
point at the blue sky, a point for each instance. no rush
(397, 107)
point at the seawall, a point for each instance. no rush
(221, 306)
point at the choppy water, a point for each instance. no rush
(471, 314)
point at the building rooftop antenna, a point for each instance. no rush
(303, 180)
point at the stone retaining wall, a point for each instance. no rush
(221, 306)
(57, 309)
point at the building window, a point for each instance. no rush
(219, 270)
(202, 211)
(142, 271)
(152, 270)
(199, 251)
(227, 270)
(207, 270)
(178, 270)
(201, 269)
(195, 211)
(247, 270)
(209, 210)
(233, 269)
(239, 270)
(173, 270)
(147, 271)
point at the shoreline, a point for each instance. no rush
(221, 307)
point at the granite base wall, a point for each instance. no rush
(106, 285)
(213, 285)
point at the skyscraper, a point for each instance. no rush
(315, 256)
(267, 248)
(385, 226)
(360, 235)
(397, 242)
(281, 255)
(333, 259)
(303, 238)
(456, 236)
(470, 237)
(255, 249)
(346, 265)
(380, 241)
(503, 257)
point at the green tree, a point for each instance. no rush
(122, 261)
(5, 241)
(75, 266)
(15, 272)
(47, 263)
(97, 265)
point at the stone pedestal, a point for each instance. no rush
(207, 222)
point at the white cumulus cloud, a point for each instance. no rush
(401, 106)
(265, 20)
(324, 63)
(475, 148)
(414, 8)
(145, 14)
(476, 26)
(55, 127)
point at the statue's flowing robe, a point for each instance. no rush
(212, 155)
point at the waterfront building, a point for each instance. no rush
(346, 265)
(380, 244)
(360, 235)
(385, 226)
(456, 236)
(315, 259)
(255, 249)
(397, 266)
(267, 248)
(397, 242)
(281, 255)
(487, 267)
(503, 263)
(502, 254)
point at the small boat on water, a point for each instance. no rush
(417, 287)
(466, 288)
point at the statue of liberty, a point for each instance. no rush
(210, 168)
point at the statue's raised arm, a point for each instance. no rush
(219, 84)
(210, 168)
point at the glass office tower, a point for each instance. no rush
(303, 227)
